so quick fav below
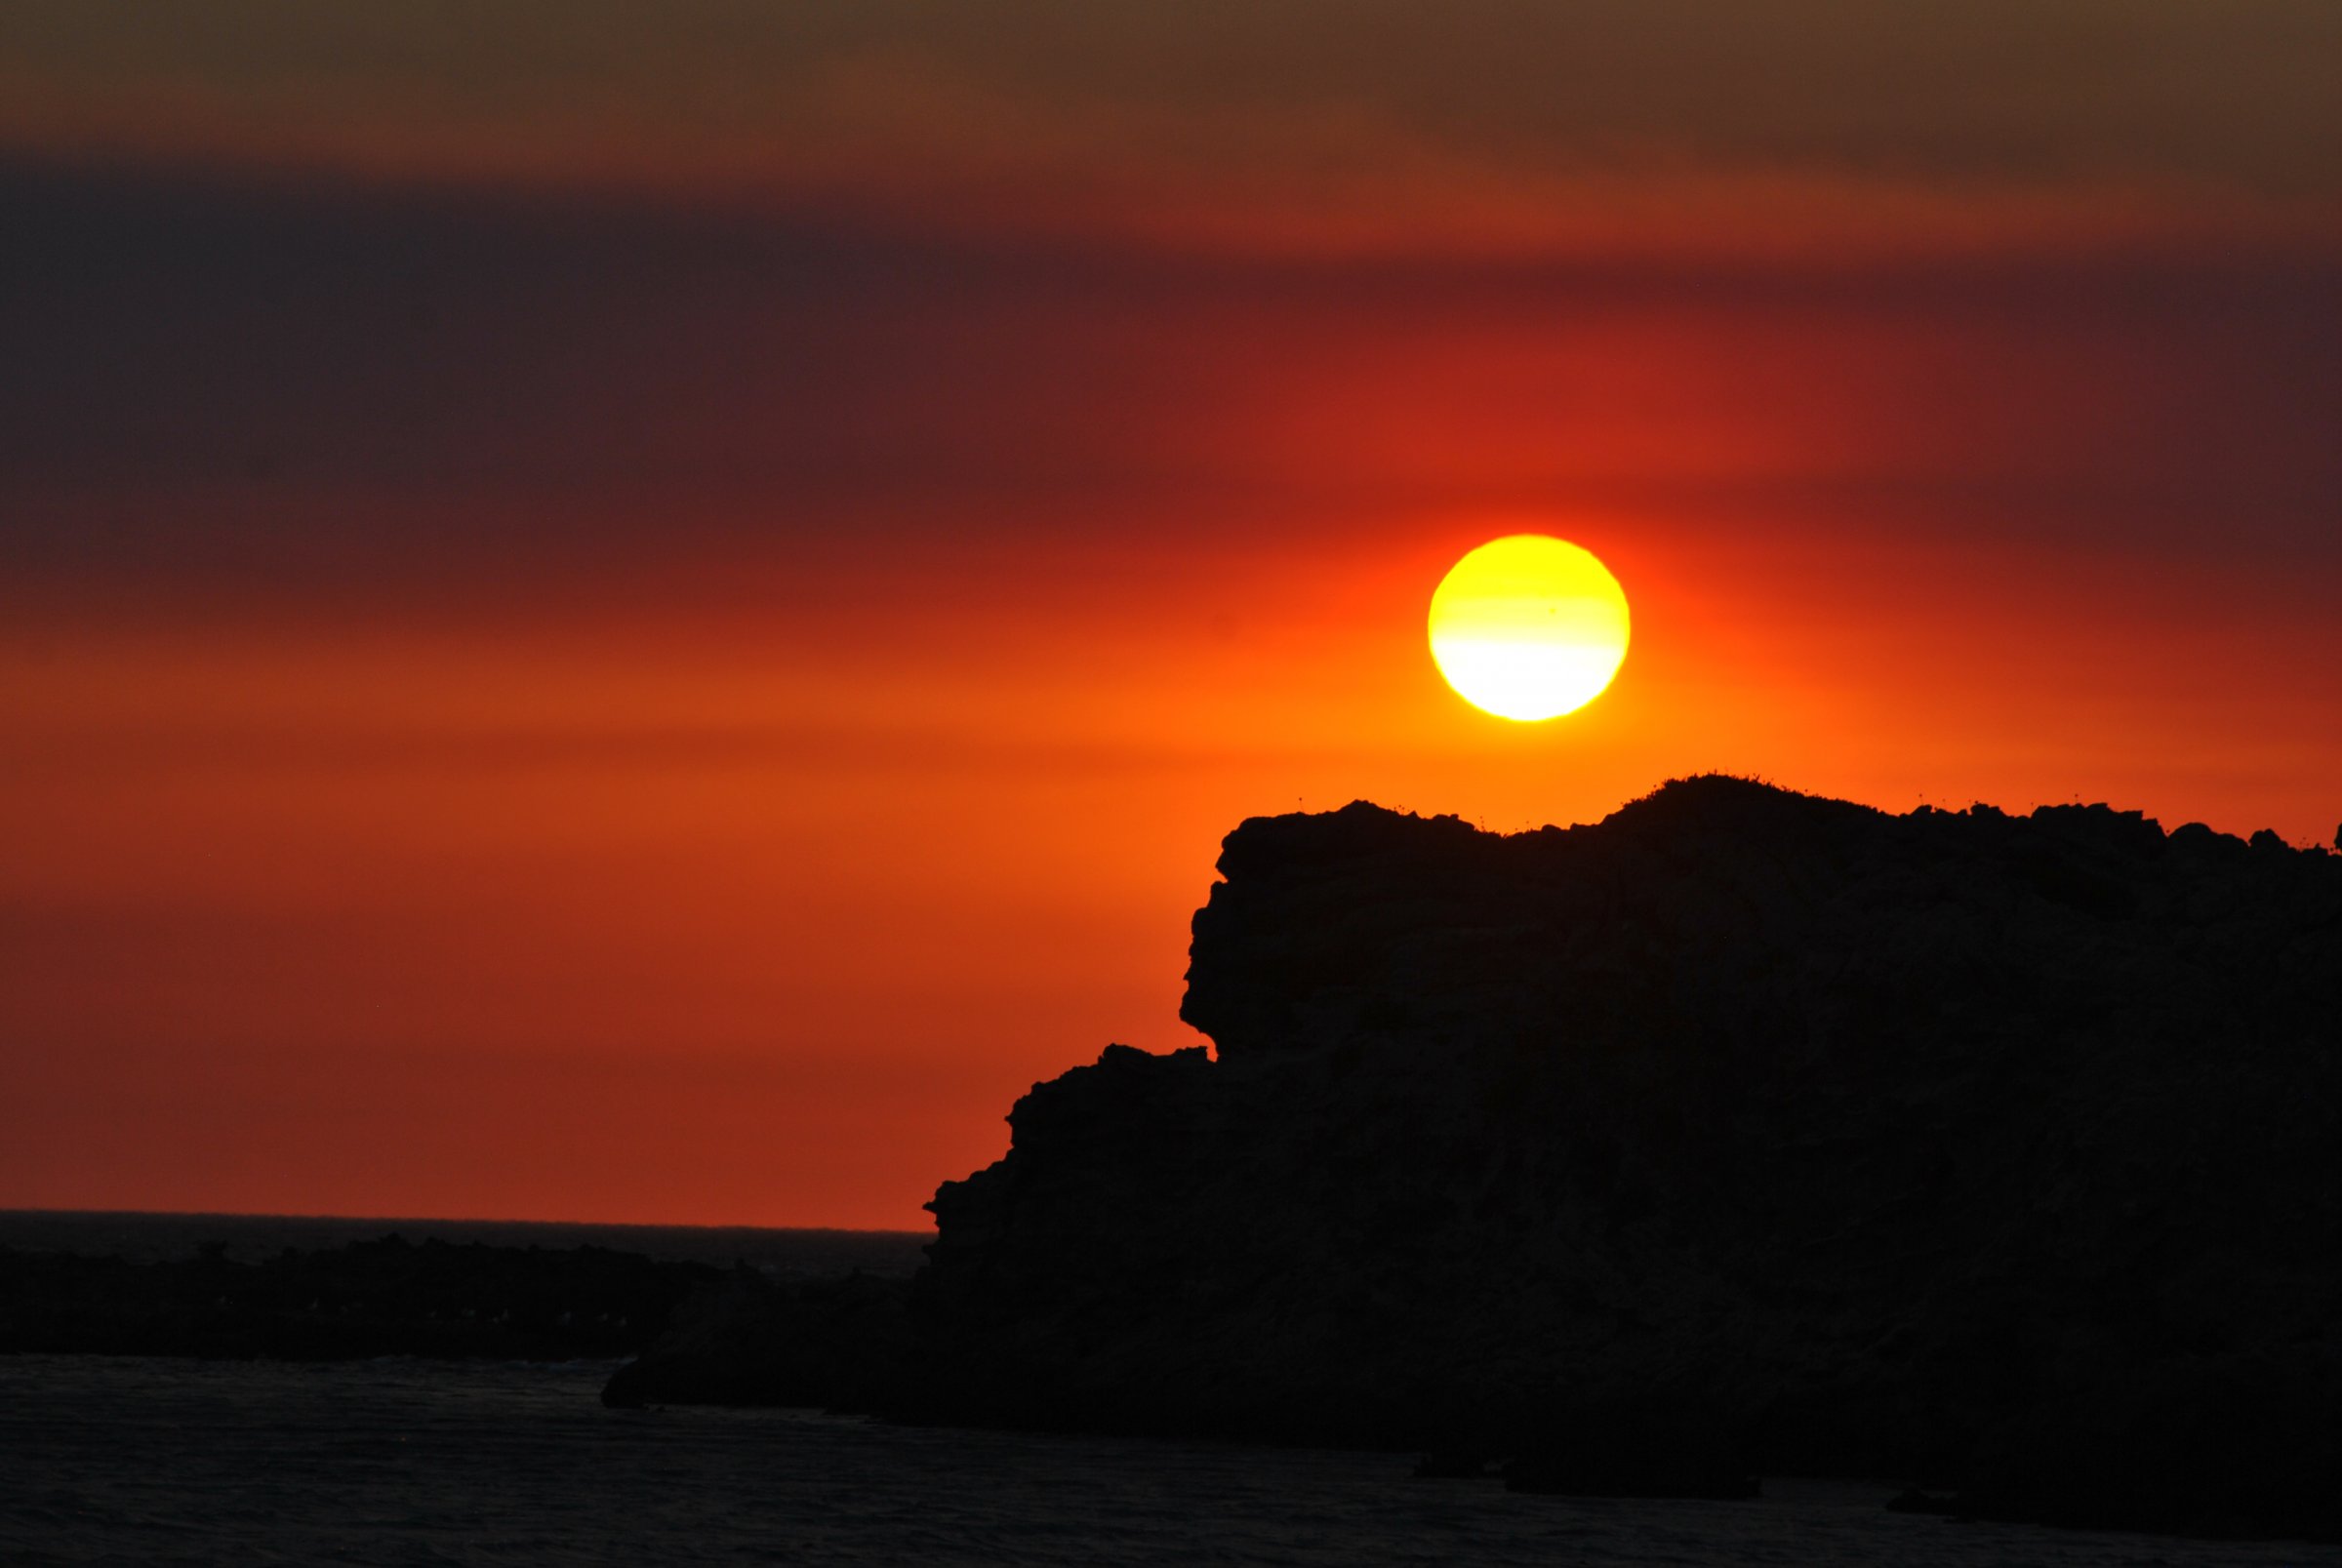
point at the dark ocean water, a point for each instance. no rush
(251, 1238)
(121, 1460)
(124, 1461)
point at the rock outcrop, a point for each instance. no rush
(1984, 1151)
(837, 1343)
(386, 1297)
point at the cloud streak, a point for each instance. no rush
(1823, 128)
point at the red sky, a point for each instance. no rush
(646, 613)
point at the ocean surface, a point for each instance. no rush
(129, 1461)
(122, 1461)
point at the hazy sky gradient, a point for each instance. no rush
(1504, 124)
(645, 613)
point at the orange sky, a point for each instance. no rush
(572, 647)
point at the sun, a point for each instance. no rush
(1529, 628)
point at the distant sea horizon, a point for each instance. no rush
(155, 1235)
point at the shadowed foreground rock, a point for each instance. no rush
(2247, 1444)
(1639, 1448)
(1996, 1153)
(839, 1343)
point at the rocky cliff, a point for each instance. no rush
(2003, 1151)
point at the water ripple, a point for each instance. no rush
(394, 1462)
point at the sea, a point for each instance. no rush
(398, 1462)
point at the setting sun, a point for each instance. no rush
(1529, 628)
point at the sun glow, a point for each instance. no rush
(1529, 628)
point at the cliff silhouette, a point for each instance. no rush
(1742, 1132)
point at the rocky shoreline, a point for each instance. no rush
(386, 1296)
(1742, 1133)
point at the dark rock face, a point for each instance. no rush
(1636, 1448)
(2226, 1444)
(1885, 1144)
(841, 1344)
